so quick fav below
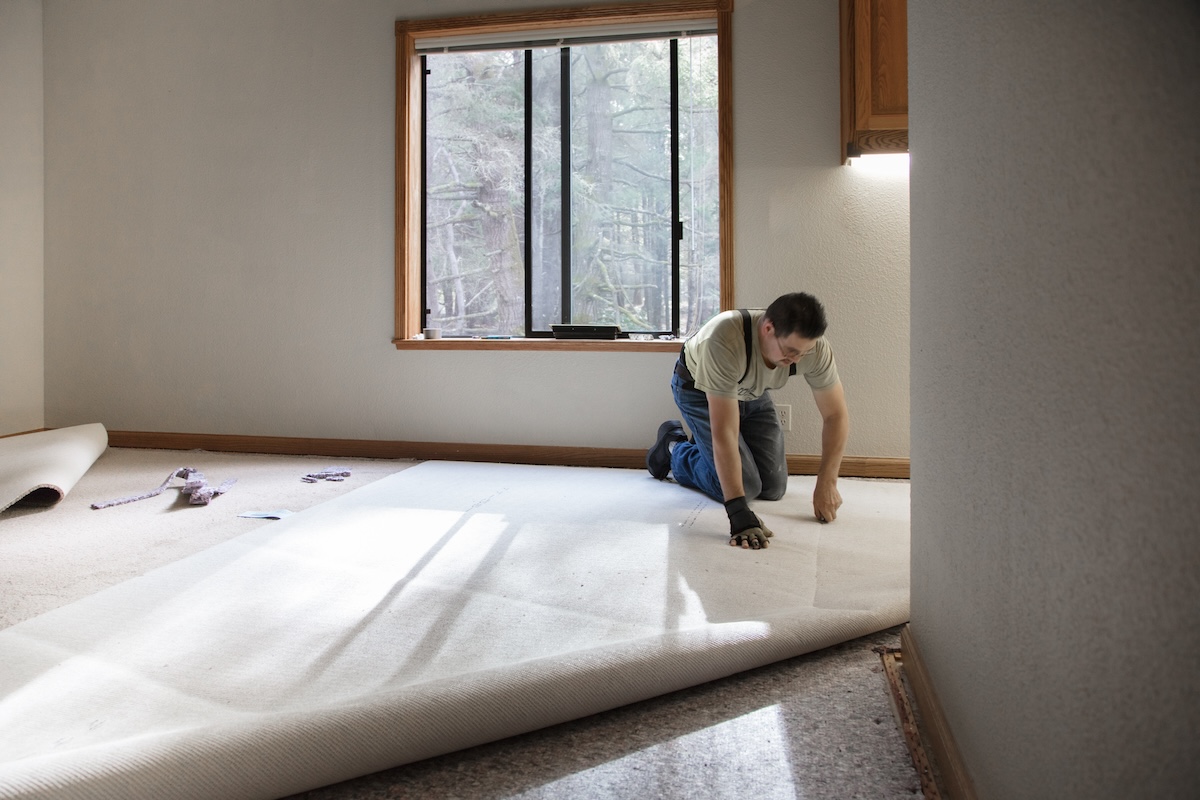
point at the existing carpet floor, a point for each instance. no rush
(439, 608)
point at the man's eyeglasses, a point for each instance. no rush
(791, 352)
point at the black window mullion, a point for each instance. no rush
(528, 193)
(564, 124)
(676, 221)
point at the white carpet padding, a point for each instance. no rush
(445, 606)
(42, 467)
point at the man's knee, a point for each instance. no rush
(751, 484)
(772, 485)
(759, 486)
(772, 492)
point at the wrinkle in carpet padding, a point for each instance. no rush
(445, 606)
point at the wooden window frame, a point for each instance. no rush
(408, 152)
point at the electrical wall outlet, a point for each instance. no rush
(785, 416)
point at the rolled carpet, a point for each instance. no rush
(40, 468)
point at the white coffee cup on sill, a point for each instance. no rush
(432, 333)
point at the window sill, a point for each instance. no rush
(526, 345)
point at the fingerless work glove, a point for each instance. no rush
(744, 525)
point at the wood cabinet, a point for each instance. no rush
(874, 50)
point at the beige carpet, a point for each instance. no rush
(441, 607)
(40, 468)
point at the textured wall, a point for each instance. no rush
(1055, 277)
(219, 234)
(21, 215)
(806, 223)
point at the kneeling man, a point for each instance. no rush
(722, 386)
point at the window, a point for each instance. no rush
(605, 125)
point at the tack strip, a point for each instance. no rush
(893, 660)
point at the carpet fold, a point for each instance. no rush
(442, 607)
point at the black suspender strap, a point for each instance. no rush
(749, 344)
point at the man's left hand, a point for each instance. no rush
(826, 500)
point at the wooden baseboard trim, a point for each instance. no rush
(366, 448)
(852, 466)
(955, 781)
(23, 433)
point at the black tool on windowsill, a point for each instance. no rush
(585, 331)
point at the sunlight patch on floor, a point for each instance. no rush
(747, 756)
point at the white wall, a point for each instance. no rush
(1056, 439)
(21, 217)
(219, 207)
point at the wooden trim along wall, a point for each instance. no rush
(955, 782)
(725, 150)
(22, 433)
(852, 466)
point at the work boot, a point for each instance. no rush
(658, 457)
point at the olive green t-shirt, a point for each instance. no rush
(716, 357)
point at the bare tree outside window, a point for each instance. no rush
(619, 224)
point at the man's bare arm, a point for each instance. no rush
(726, 421)
(835, 429)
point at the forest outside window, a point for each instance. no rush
(571, 174)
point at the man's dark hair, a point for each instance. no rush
(798, 312)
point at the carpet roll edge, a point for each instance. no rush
(48, 463)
